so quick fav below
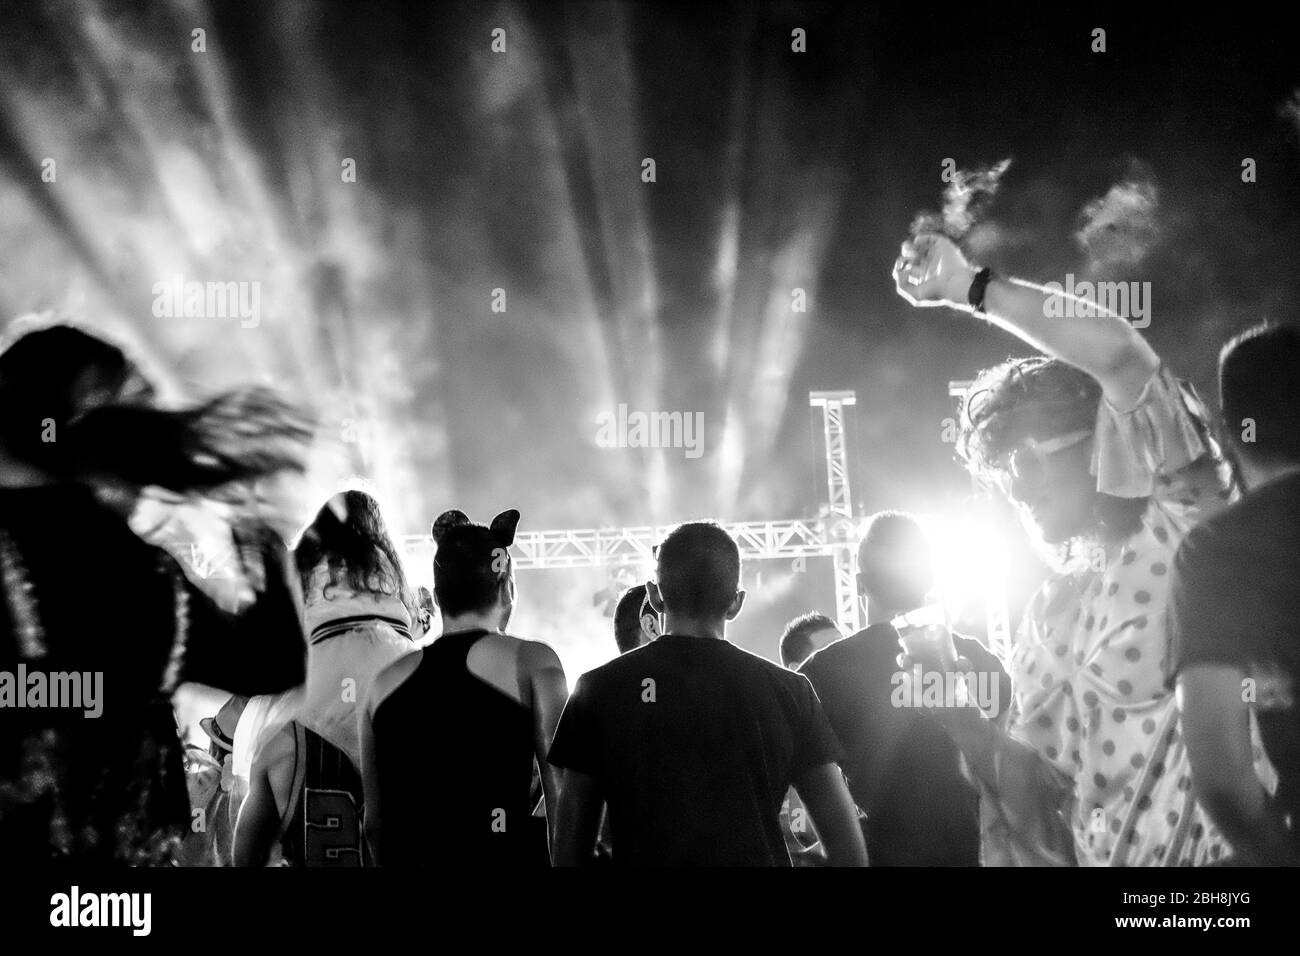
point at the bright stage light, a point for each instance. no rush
(971, 565)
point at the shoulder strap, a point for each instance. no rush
(299, 778)
(452, 650)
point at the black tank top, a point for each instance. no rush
(454, 763)
(325, 829)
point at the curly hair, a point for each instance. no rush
(1009, 402)
(1036, 397)
(348, 536)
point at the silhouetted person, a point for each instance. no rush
(693, 742)
(80, 439)
(635, 622)
(1234, 617)
(904, 771)
(452, 731)
(804, 636)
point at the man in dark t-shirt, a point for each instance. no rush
(904, 770)
(693, 742)
(1234, 618)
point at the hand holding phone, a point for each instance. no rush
(926, 639)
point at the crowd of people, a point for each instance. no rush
(1145, 716)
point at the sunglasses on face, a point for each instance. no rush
(1028, 463)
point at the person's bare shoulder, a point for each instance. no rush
(279, 747)
(532, 656)
(537, 656)
(391, 677)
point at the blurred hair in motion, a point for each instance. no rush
(80, 437)
(74, 407)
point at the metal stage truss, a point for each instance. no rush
(596, 547)
(833, 535)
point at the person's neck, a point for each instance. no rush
(473, 621)
(681, 625)
(1258, 474)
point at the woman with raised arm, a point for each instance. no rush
(87, 605)
(1109, 460)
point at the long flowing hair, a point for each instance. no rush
(348, 536)
(75, 407)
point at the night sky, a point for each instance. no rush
(521, 171)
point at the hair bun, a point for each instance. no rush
(446, 521)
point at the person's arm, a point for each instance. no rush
(834, 813)
(578, 820)
(261, 650)
(994, 757)
(975, 660)
(256, 828)
(1220, 630)
(1005, 765)
(548, 692)
(1031, 793)
(258, 823)
(932, 271)
(816, 777)
(977, 737)
(1216, 726)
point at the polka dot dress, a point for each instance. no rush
(1088, 673)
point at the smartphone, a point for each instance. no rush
(925, 636)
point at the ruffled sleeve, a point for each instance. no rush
(1165, 431)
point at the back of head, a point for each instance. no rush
(348, 536)
(55, 374)
(1257, 393)
(698, 570)
(472, 564)
(76, 407)
(894, 561)
(627, 619)
(796, 641)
